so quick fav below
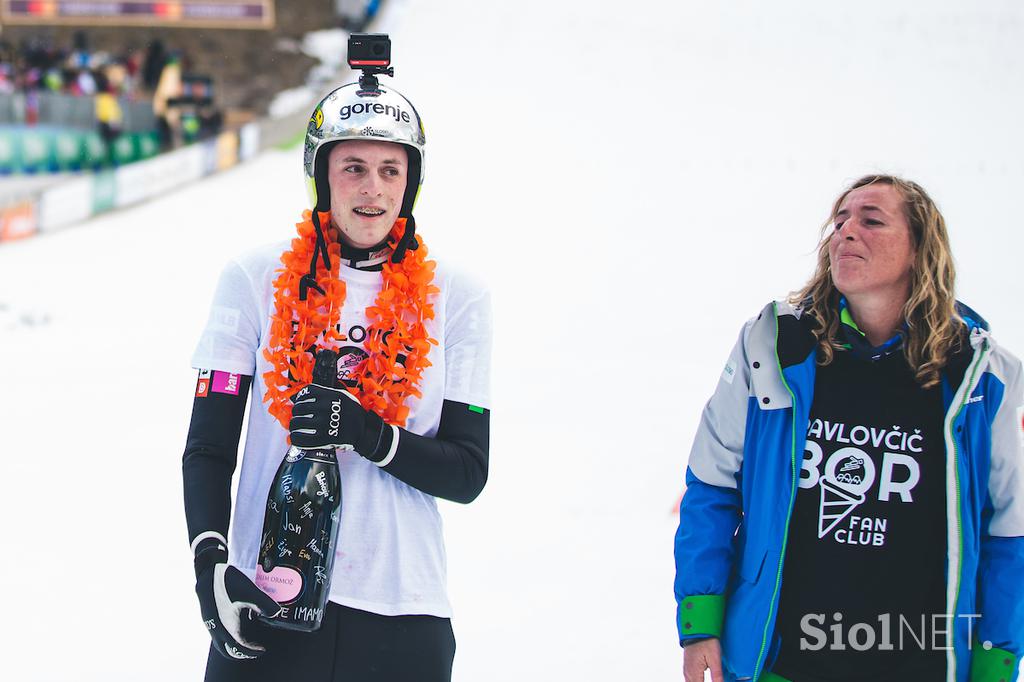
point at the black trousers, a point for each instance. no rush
(350, 646)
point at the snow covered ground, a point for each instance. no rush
(634, 180)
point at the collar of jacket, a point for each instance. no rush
(783, 327)
(857, 342)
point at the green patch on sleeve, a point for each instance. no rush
(474, 408)
(701, 614)
(992, 664)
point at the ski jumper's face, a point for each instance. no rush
(872, 250)
(367, 181)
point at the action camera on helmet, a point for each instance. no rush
(369, 49)
(371, 54)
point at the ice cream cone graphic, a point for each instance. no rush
(836, 503)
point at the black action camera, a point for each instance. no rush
(369, 49)
(371, 54)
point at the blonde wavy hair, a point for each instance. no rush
(934, 329)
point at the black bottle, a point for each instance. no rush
(300, 527)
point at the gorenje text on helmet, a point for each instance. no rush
(375, 107)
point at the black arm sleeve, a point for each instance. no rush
(211, 452)
(453, 464)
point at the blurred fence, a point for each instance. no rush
(71, 111)
(52, 150)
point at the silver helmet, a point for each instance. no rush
(353, 113)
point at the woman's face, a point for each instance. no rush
(367, 181)
(871, 250)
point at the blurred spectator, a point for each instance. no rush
(109, 118)
(153, 66)
(84, 83)
(182, 104)
(7, 84)
(211, 120)
(75, 70)
(53, 80)
(32, 107)
(79, 57)
(116, 75)
(169, 87)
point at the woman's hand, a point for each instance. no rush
(699, 656)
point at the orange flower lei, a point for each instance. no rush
(402, 306)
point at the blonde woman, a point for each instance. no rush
(855, 493)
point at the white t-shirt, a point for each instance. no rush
(390, 556)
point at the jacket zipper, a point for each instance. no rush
(792, 498)
(951, 673)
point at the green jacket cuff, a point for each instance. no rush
(992, 665)
(701, 616)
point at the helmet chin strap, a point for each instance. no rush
(408, 239)
(320, 250)
(407, 242)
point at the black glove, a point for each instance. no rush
(325, 417)
(227, 599)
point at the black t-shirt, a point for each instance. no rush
(865, 557)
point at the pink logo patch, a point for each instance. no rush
(224, 382)
(282, 584)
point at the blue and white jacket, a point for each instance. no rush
(742, 479)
